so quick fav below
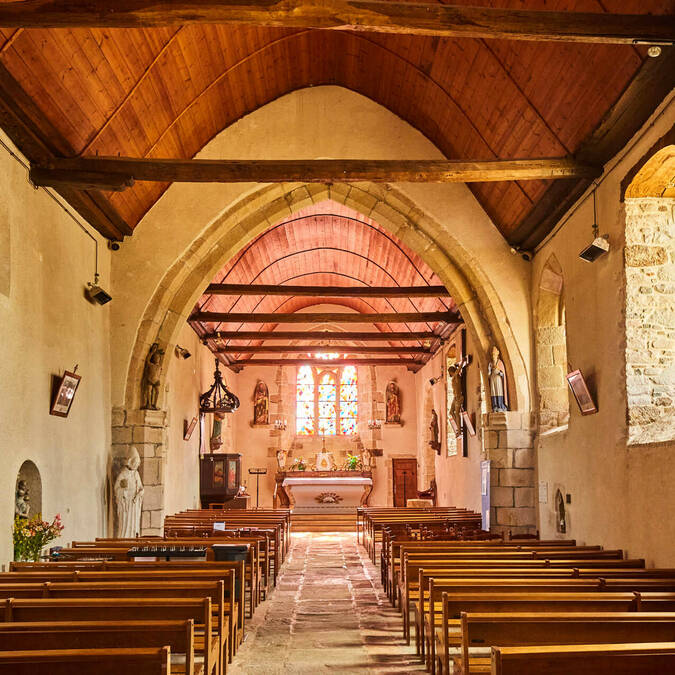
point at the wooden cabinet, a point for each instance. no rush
(219, 477)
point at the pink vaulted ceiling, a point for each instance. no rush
(326, 244)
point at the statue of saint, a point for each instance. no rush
(281, 458)
(435, 441)
(456, 372)
(128, 491)
(216, 440)
(366, 458)
(261, 404)
(499, 397)
(151, 377)
(393, 401)
(22, 503)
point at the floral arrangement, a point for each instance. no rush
(353, 462)
(299, 464)
(32, 535)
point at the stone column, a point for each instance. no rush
(509, 447)
(146, 430)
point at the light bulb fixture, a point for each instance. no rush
(600, 244)
(218, 399)
(95, 293)
(280, 425)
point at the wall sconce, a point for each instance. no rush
(280, 425)
(374, 424)
(181, 352)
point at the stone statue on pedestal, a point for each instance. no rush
(366, 457)
(128, 493)
(499, 397)
(281, 458)
(152, 376)
(22, 503)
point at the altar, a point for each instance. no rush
(322, 491)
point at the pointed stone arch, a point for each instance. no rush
(551, 348)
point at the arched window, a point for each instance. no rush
(326, 401)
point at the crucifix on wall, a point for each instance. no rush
(457, 362)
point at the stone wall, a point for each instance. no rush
(508, 445)
(146, 430)
(650, 319)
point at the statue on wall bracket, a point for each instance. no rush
(499, 396)
(435, 440)
(152, 377)
(393, 403)
(261, 404)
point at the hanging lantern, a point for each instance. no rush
(218, 399)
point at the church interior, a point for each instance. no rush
(340, 336)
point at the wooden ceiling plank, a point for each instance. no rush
(413, 18)
(326, 317)
(653, 82)
(299, 349)
(329, 291)
(325, 362)
(86, 171)
(322, 336)
(32, 133)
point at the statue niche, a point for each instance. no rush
(393, 403)
(28, 491)
(261, 404)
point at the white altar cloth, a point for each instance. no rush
(307, 493)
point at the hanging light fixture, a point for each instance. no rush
(218, 399)
(600, 244)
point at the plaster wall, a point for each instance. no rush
(47, 326)
(311, 123)
(457, 477)
(621, 496)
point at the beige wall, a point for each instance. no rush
(46, 326)
(621, 496)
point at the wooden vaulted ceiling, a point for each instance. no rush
(165, 92)
(327, 244)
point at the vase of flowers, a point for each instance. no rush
(353, 462)
(32, 535)
(301, 464)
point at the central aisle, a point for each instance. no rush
(328, 614)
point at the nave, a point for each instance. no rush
(328, 614)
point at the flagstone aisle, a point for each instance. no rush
(328, 614)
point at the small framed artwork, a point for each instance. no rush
(468, 423)
(188, 428)
(455, 429)
(580, 390)
(65, 394)
(218, 473)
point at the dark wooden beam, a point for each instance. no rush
(409, 18)
(40, 142)
(117, 173)
(299, 349)
(653, 82)
(325, 317)
(329, 291)
(322, 336)
(323, 362)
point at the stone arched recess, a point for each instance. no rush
(29, 475)
(162, 270)
(649, 260)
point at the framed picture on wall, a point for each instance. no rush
(188, 428)
(65, 394)
(581, 394)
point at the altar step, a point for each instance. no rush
(325, 522)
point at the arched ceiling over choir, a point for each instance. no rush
(324, 245)
(165, 92)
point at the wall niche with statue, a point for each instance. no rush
(28, 491)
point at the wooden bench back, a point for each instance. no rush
(87, 662)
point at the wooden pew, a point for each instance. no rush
(602, 659)
(87, 662)
(526, 629)
(177, 635)
(128, 572)
(207, 644)
(138, 589)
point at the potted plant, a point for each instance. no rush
(353, 462)
(32, 535)
(301, 464)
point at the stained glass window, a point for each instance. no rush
(326, 401)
